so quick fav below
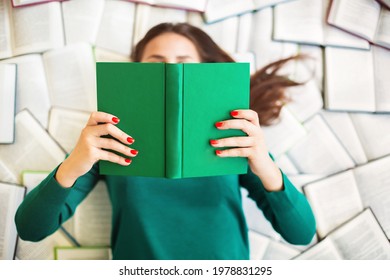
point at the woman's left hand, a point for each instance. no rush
(252, 146)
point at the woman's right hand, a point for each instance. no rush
(91, 147)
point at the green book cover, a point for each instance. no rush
(171, 110)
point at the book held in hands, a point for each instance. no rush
(171, 110)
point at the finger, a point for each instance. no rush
(111, 144)
(244, 141)
(244, 125)
(247, 114)
(236, 152)
(110, 129)
(101, 117)
(112, 157)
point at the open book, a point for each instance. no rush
(174, 108)
(265, 248)
(355, 80)
(217, 10)
(82, 253)
(304, 21)
(62, 77)
(91, 223)
(319, 152)
(10, 198)
(30, 29)
(198, 5)
(33, 149)
(364, 135)
(7, 102)
(22, 3)
(107, 25)
(363, 18)
(360, 238)
(338, 198)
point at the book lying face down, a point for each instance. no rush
(171, 110)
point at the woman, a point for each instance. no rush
(196, 218)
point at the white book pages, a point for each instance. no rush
(31, 179)
(81, 20)
(7, 102)
(343, 127)
(10, 198)
(258, 244)
(33, 149)
(83, 253)
(5, 30)
(265, 49)
(286, 165)
(37, 28)
(71, 77)
(244, 32)
(359, 17)
(324, 250)
(334, 200)
(198, 5)
(65, 125)
(41, 250)
(93, 217)
(255, 218)
(373, 181)
(32, 86)
(102, 55)
(221, 9)
(246, 57)
(362, 238)
(116, 27)
(300, 180)
(382, 36)
(279, 251)
(147, 17)
(349, 80)
(6, 174)
(373, 131)
(319, 152)
(224, 33)
(382, 82)
(283, 135)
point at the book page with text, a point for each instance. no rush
(373, 131)
(7, 102)
(334, 200)
(324, 250)
(70, 73)
(373, 181)
(32, 86)
(349, 80)
(382, 82)
(115, 31)
(33, 149)
(5, 30)
(37, 28)
(360, 17)
(319, 152)
(10, 198)
(362, 238)
(65, 125)
(81, 20)
(343, 127)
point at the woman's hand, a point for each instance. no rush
(251, 146)
(91, 147)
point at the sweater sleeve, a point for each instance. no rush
(288, 210)
(49, 205)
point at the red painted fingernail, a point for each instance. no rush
(130, 140)
(128, 160)
(134, 152)
(213, 142)
(115, 119)
(218, 152)
(233, 113)
(218, 124)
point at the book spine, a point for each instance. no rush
(173, 120)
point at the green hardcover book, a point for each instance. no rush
(171, 110)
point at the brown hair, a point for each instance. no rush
(267, 88)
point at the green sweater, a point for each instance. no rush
(154, 218)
